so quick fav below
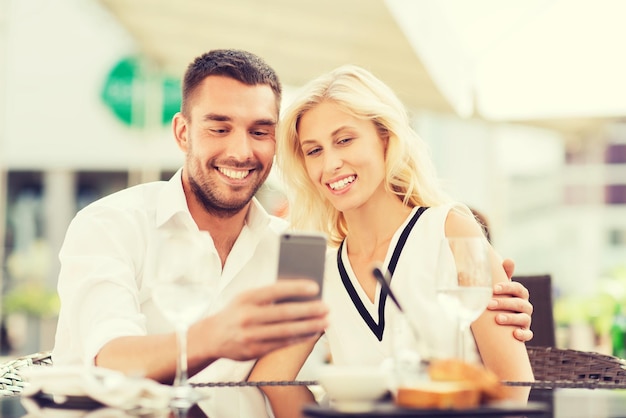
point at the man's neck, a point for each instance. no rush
(223, 230)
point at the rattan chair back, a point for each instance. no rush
(11, 382)
(556, 367)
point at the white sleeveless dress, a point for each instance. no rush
(352, 341)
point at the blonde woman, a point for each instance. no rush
(358, 172)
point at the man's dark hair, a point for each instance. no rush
(242, 66)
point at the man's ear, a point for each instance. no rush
(181, 131)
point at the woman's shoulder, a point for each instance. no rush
(435, 219)
(440, 212)
(460, 220)
(449, 206)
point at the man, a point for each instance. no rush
(225, 129)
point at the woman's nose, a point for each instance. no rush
(333, 161)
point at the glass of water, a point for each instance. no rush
(182, 293)
(464, 284)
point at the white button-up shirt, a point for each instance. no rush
(105, 278)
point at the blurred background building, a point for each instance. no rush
(522, 105)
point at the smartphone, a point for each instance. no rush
(302, 254)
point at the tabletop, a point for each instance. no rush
(248, 402)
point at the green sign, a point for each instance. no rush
(129, 87)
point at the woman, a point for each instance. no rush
(359, 173)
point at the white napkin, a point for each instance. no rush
(109, 387)
(35, 410)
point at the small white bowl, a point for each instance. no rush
(353, 388)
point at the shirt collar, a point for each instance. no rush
(173, 203)
(257, 217)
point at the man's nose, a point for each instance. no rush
(240, 145)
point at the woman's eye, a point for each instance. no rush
(313, 151)
(345, 140)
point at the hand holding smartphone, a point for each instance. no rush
(302, 255)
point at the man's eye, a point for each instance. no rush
(219, 130)
(260, 133)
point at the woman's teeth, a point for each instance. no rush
(338, 185)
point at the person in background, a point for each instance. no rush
(226, 131)
(482, 220)
(359, 173)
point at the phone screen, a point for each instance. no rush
(302, 254)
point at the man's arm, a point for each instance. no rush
(511, 299)
(251, 326)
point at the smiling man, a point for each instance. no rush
(226, 130)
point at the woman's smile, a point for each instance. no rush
(341, 184)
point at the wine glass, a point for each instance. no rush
(464, 281)
(182, 293)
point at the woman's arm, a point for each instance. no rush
(284, 364)
(500, 351)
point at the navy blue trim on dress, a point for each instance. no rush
(377, 328)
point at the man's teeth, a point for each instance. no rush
(234, 174)
(338, 185)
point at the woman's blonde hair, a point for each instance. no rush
(410, 174)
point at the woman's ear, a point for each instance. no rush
(385, 139)
(383, 134)
(180, 129)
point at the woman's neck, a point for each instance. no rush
(372, 226)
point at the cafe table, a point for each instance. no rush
(248, 402)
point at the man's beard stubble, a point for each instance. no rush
(217, 207)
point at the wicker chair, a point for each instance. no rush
(556, 367)
(11, 382)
